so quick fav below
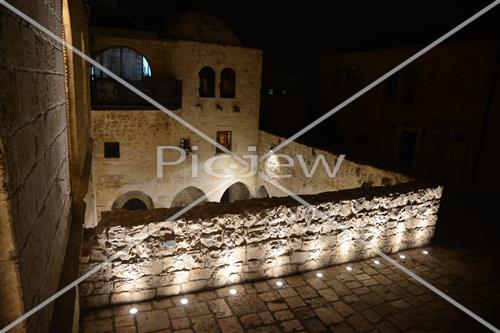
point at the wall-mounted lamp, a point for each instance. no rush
(186, 145)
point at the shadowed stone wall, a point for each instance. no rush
(34, 132)
(252, 239)
(40, 121)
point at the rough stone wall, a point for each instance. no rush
(350, 174)
(34, 134)
(140, 132)
(221, 244)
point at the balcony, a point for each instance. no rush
(107, 94)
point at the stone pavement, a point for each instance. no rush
(370, 298)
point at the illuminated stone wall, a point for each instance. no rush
(140, 132)
(221, 244)
(350, 174)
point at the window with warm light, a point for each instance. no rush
(224, 138)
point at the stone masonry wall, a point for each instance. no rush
(34, 135)
(140, 132)
(221, 244)
(350, 174)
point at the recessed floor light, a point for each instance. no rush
(233, 291)
(349, 268)
(279, 283)
(319, 274)
(184, 301)
(402, 256)
(425, 252)
(133, 311)
(376, 262)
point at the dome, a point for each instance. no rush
(201, 27)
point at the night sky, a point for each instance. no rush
(298, 31)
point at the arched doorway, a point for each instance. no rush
(262, 192)
(235, 192)
(187, 196)
(134, 200)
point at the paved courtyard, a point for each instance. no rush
(372, 297)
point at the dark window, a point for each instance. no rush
(407, 144)
(224, 138)
(460, 137)
(362, 139)
(338, 77)
(124, 62)
(111, 149)
(391, 89)
(410, 86)
(227, 83)
(353, 75)
(135, 204)
(207, 82)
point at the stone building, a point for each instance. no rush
(435, 119)
(208, 79)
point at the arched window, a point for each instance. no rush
(235, 192)
(227, 83)
(262, 192)
(207, 82)
(124, 62)
(134, 200)
(135, 204)
(187, 196)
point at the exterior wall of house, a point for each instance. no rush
(301, 180)
(140, 132)
(445, 120)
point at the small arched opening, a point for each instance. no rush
(227, 83)
(188, 196)
(235, 192)
(262, 192)
(134, 200)
(207, 82)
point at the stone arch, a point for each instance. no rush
(124, 61)
(262, 192)
(235, 192)
(227, 83)
(207, 82)
(187, 196)
(133, 200)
